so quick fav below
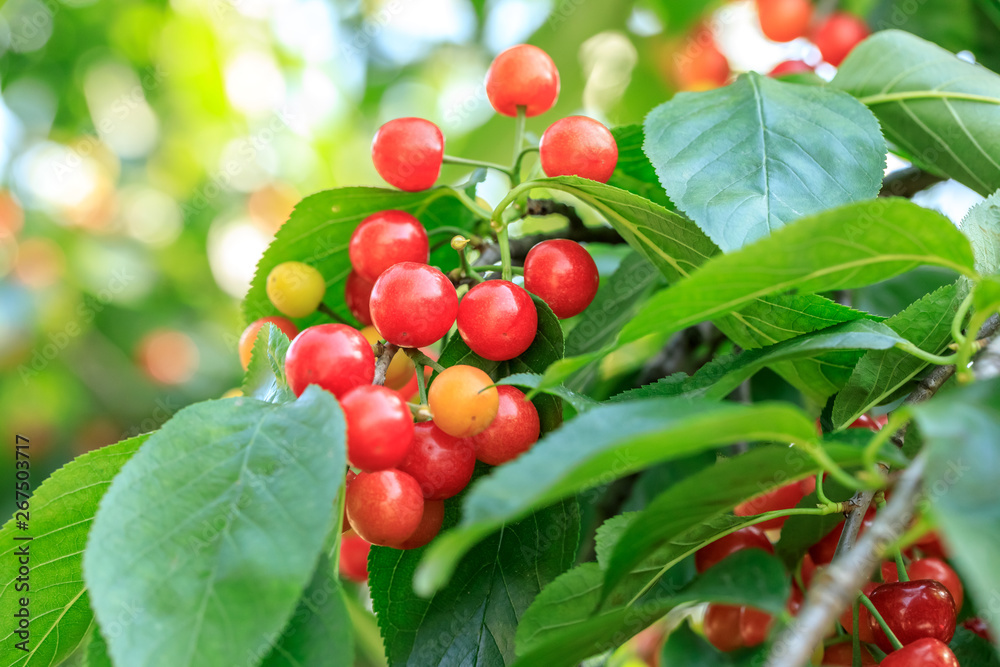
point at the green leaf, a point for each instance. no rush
(320, 228)
(562, 628)
(214, 528)
(749, 158)
(97, 651)
(472, 620)
(675, 246)
(684, 648)
(693, 503)
(545, 349)
(319, 632)
(961, 430)
(596, 447)
(265, 378)
(579, 402)
(634, 172)
(982, 227)
(941, 110)
(801, 532)
(971, 649)
(61, 511)
(850, 246)
(881, 373)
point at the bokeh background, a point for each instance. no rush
(149, 150)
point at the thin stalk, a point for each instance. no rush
(451, 159)
(520, 160)
(519, 123)
(467, 269)
(863, 599)
(959, 319)
(900, 565)
(930, 358)
(504, 243)
(897, 420)
(820, 492)
(326, 310)
(493, 268)
(419, 357)
(421, 382)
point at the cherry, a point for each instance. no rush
(842, 655)
(865, 633)
(386, 238)
(347, 482)
(838, 35)
(379, 427)
(931, 545)
(751, 537)
(927, 652)
(783, 497)
(442, 464)
(413, 304)
(979, 626)
(563, 275)
(870, 423)
(722, 627)
(784, 20)
(513, 431)
(823, 551)
(385, 507)
(408, 152)
(701, 65)
(754, 626)
(497, 320)
(333, 356)
(578, 146)
(929, 568)
(463, 401)
(429, 527)
(401, 369)
(249, 335)
(524, 76)
(354, 558)
(295, 288)
(357, 293)
(790, 67)
(913, 610)
(807, 570)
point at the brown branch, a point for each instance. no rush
(384, 352)
(907, 182)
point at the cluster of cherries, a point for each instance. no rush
(920, 607)
(403, 470)
(835, 35)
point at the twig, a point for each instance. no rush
(384, 352)
(907, 182)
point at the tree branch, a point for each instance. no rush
(907, 182)
(384, 352)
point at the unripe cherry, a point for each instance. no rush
(295, 288)
(523, 75)
(334, 356)
(578, 146)
(249, 335)
(463, 401)
(408, 152)
(384, 239)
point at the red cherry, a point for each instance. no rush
(790, 67)
(523, 75)
(334, 356)
(927, 652)
(865, 633)
(347, 482)
(722, 627)
(838, 35)
(808, 570)
(931, 545)
(386, 238)
(578, 146)
(379, 427)
(429, 527)
(357, 294)
(913, 610)
(870, 423)
(562, 274)
(784, 20)
(513, 431)
(385, 507)
(354, 558)
(755, 625)
(407, 153)
(249, 335)
(751, 537)
(413, 304)
(980, 627)
(783, 497)
(929, 568)
(442, 464)
(699, 64)
(842, 655)
(822, 552)
(497, 320)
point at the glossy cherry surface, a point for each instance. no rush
(701, 65)
(514, 430)
(497, 320)
(563, 275)
(379, 427)
(929, 568)
(428, 528)
(838, 35)
(578, 146)
(722, 627)
(442, 464)
(413, 305)
(913, 610)
(463, 401)
(357, 294)
(334, 356)
(384, 507)
(979, 626)
(783, 497)
(354, 558)
(751, 537)
(784, 20)
(408, 153)
(523, 75)
(922, 653)
(384, 239)
(249, 335)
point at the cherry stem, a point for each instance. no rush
(897, 420)
(519, 122)
(420, 412)
(467, 269)
(520, 160)
(856, 638)
(516, 270)
(504, 244)
(384, 353)
(820, 492)
(448, 230)
(419, 357)
(900, 565)
(451, 159)
(924, 355)
(326, 310)
(863, 599)
(959, 319)
(421, 382)
(829, 465)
